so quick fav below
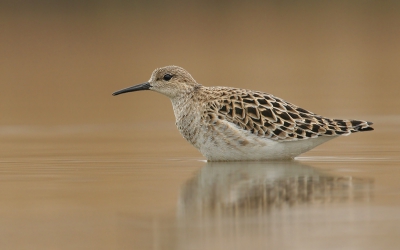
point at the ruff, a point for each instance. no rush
(231, 124)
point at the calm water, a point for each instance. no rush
(143, 187)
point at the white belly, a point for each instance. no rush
(228, 143)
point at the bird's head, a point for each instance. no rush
(172, 81)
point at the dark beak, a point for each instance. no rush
(143, 86)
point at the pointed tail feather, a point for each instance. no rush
(359, 126)
(346, 127)
(363, 126)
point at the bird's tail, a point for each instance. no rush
(346, 127)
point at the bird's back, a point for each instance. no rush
(268, 116)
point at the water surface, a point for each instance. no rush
(143, 187)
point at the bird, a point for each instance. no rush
(234, 124)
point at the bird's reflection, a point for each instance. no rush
(234, 188)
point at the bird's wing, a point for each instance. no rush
(268, 116)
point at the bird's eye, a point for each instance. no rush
(167, 77)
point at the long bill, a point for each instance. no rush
(142, 86)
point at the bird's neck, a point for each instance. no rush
(187, 116)
(183, 105)
(185, 101)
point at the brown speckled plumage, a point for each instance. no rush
(268, 116)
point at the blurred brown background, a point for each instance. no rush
(61, 60)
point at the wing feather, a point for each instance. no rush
(268, 116)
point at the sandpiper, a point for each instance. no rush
(232, 124)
